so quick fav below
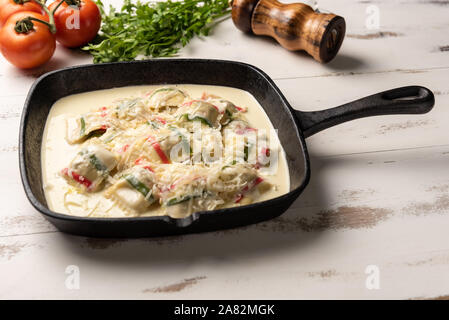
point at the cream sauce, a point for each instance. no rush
(57, 152)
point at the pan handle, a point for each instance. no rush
(404, 100)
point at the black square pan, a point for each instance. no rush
(293, 126)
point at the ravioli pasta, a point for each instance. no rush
(165, 150)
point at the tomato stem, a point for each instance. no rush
(57, 6)
(49, 25)
(24, 25)
(71, 3)
(51, 17)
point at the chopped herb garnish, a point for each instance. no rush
(139, 186)
(246, 152)
(99, 166)
(153, 29)
(83, 127)
(174, 201)
(234, 162)
(197, 118)
(185, 198)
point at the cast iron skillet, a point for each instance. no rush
(293, 127)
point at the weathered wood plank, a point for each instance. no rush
(374, 133)
(387, 209)
(399, 43)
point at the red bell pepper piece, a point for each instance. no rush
(247, 188)
(78, 178)
(157, 147)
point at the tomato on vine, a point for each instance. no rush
(30, 29)
(9, 7)
(26, 39)
(77, 21)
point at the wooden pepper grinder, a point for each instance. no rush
(295, 26)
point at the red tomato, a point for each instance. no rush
(9, 7)
(30, 49)
(76, 25)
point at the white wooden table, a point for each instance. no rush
(377, 203)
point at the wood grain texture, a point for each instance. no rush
(242, 12)
(378, 194)
(295, 26)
